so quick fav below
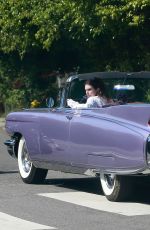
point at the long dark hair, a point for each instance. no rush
(98, 85)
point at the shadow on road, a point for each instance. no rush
(140, 194)
(90, 185)
(8, 172)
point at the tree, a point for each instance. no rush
(96, 35)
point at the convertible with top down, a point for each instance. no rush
(112, 142)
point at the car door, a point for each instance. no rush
(54, 135)
(88, 139)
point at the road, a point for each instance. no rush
(65, 202)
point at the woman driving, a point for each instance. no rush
(96, 95)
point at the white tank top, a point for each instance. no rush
(92, 102)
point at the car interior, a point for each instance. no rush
(139, 92)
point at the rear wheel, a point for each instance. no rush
(28, 172)
(115, 188)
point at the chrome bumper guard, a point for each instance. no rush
(11, 147)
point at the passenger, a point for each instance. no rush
(96, 95)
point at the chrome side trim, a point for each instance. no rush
(125, 172)
(61, 166)
(148, 150)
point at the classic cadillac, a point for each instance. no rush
(112, 142)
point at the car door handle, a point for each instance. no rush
(69, 117)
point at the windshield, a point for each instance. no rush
(138, 90)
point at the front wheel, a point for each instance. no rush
(28, 172)
(115, 188)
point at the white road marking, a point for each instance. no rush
(8, 222)
(100, 203)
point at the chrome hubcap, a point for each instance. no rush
(26, 163)
(109, 179)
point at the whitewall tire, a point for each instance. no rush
(115, 187)
(28, 172)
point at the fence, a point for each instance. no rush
(7, 108)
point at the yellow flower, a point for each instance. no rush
(35, 104)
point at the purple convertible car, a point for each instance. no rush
(112, 142)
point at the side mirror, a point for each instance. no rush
(50, 102)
